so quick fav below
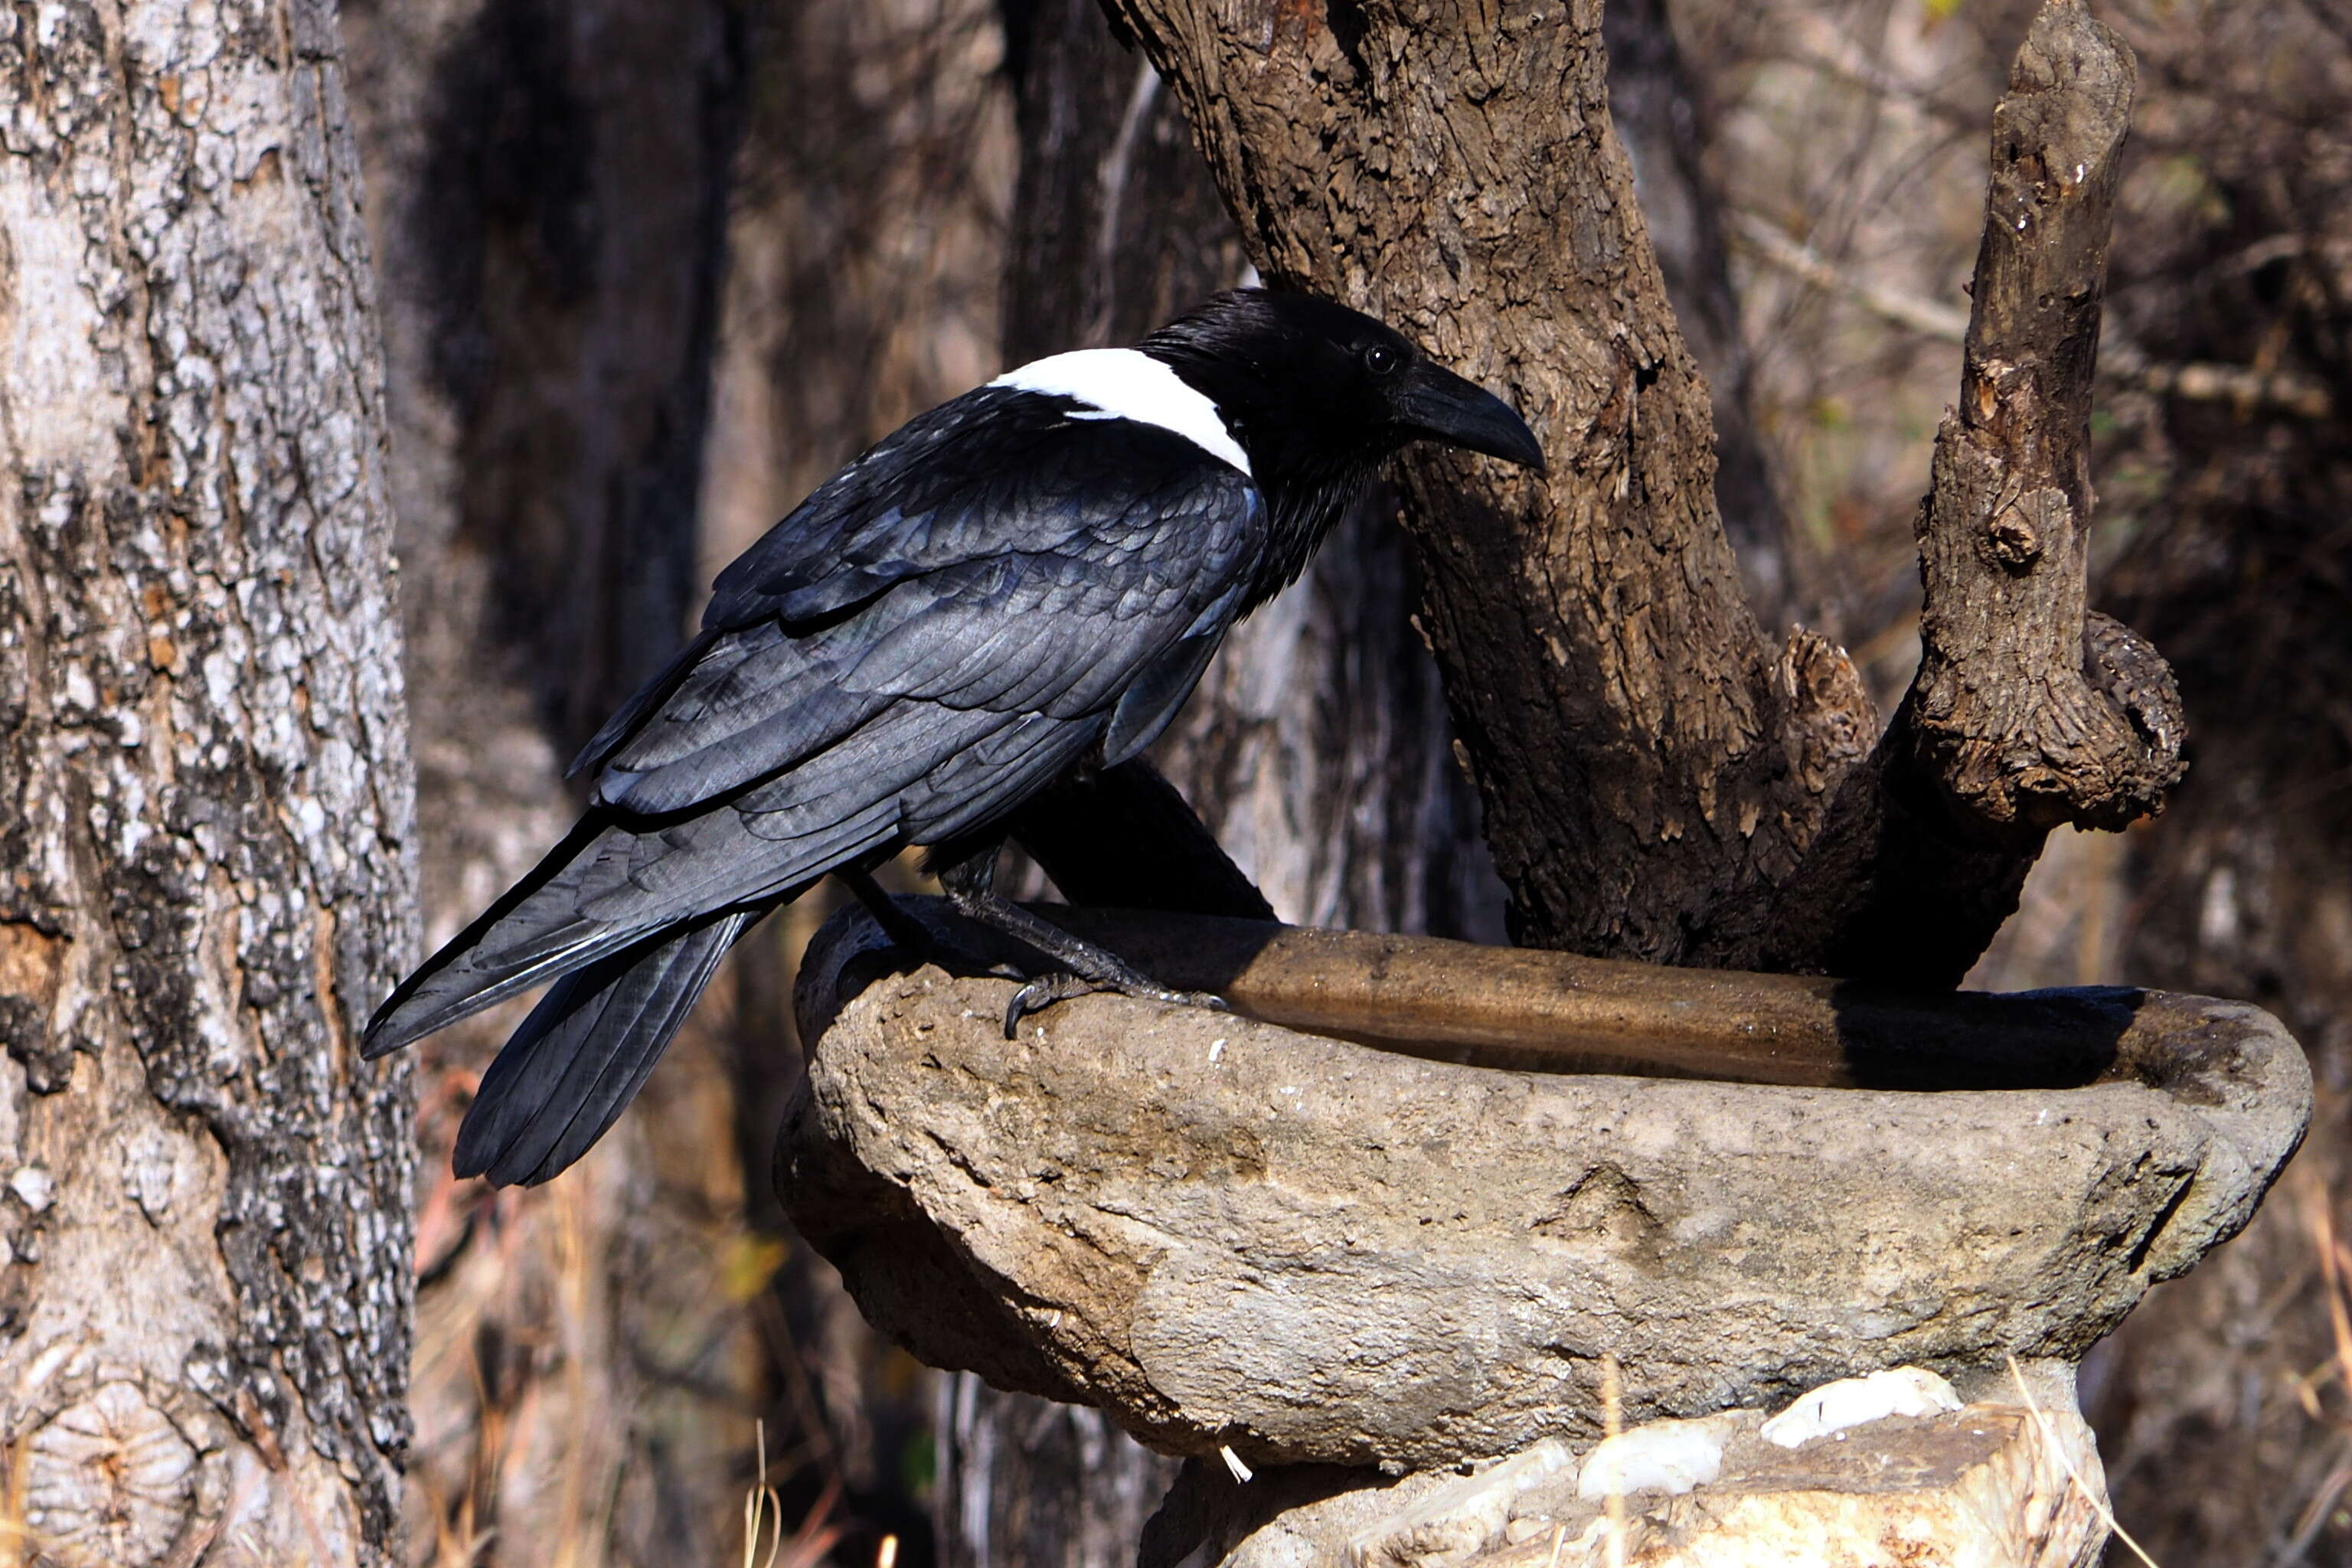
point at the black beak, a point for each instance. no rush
(1437, 405)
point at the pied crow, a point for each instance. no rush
(1028, 579)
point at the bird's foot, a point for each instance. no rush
(1048, 989)
(1080, 968)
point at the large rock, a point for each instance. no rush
(2012, 1481)
(1230, 1235)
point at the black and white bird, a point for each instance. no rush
(1026, 580)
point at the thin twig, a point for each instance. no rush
(2314, 1514)
(763, 1506)
(2050, 1439)
(2120, 363)
(2331, 1263)
(1801, 261)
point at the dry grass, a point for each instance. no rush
(591, 1371)
(764, 1544)
(2095, 1496)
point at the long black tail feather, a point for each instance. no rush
(584, 1052)
(434, 997)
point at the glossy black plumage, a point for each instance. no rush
(584, 1051)
(1013, 583)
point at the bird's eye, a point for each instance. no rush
(1381, 359)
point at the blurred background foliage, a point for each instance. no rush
(651, 270)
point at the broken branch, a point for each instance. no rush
(2029, 711)
(2025, 716)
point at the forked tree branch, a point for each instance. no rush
(2028, 710)
(2025, 718)
(1657, 785)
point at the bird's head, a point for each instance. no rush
(1317, 394)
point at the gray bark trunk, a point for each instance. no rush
(548, 188)
(206, 835)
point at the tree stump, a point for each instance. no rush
(1264, 1248)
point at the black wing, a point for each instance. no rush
(993, 554)
(934, 634)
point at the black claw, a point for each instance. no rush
(1041, 994)
(1045, 990)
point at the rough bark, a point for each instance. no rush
(1630, 769)
(206, 839)
(2024, 716)
(548, 188)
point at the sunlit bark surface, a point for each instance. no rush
(206, 841)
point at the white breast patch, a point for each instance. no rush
(1127, 383)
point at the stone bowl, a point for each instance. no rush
(1230, 1234)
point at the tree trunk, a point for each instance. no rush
(2027, 711)
(1664, 117)
(205, 802)
(556, 178)
(1630, 770)
(549, 187)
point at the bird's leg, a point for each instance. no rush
(1086, 968)
(897, 924)
(909, 934)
